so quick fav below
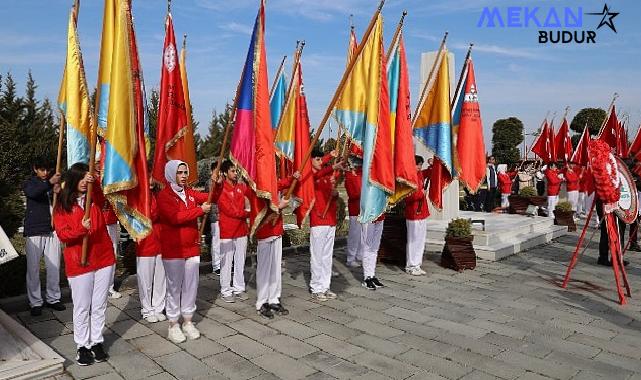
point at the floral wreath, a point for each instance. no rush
(604, 168)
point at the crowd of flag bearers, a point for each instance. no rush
(245, 198)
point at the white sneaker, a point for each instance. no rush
(421, 271)
(413, 271)
(151, 318)
(161, 317)
(330, 295)
(175, 334)
(319, 297)
(354, 264)
(114, 294)
(190, 331)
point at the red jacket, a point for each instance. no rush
(180, 238)
(353, 183)
(150, 246)
(554, 182)
(102, 202)
(505, 183)
(323, 186)
(416, 207)
(587, 181)
(572, 180)
(232, 214)
(269, 229)
(100, 252)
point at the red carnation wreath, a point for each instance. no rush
(604, 169)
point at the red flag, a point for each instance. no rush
(541, 147)
(174, 138)
(563, 142)
(470, 147)
(304, 191)
(580, 155)
(635, 147)
(608, 132)
(622, 141)
(550, 142)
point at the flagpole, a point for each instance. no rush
(396, 38)
(278, 72)
(460, 79)
(539, 136)
(426, 86)
(61, 136)
(332, 103)
(607, 116)
(92, 163)
(300, 45)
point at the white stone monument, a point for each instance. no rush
(451, 194)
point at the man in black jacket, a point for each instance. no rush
(41, 239)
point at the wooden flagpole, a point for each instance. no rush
(427, 85)
(458, 90)
(278, 72)
(395, 38)
(332, 103)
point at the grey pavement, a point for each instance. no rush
(503, 320)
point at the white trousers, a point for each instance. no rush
(370, 242)
(354, 252)
(232, 252)
(581, 203)
(416, 234)
(182, 287)
(152, 285)
(321, 248)
(114, 233)
(589, 198)
(552, 201)
(573, 198)
(89, 296)
(268, 270)
(215, 245)
(36, 247)
(505, 202)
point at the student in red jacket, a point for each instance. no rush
(233, 209)
(323, 228)
(416, 213)
(353, 183)
(89, 284)
(269, 252)
(180, 207)
(150, 269)
(572, 186)
(554, 179)
(505, 185)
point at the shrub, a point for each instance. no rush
(459, 228)
(564, 206)
(528, 191)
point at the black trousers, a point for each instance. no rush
(604, 242)
(490, 199)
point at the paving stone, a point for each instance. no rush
(333, 365)
(244, 346)
(134, 365)
(389, 367)
(252, 328)
(333, 315)
(425, 345)
(458, 328)
(570, 347)
(130, 329)
(472, 345)
(386, 347)
(283, 366)
(333, 329)
(584, 329)
(607, 345)
(292, 328)
(162, 376)
(85, 372)
(48, 329)
(233, 366)
(528, 348)
(435, 364)
(288, 345)
(184, 366)
(499, 328)
(428, 332)
(27, 319)
(202, 347)
(221, 314)
(108, 376)
(399, 312)
(374, 328)
(371, 375)
(214, 330)
(154, 345)
(115, 345)
(544, 367)
(366, 314)
(334, 346)
(478, 375)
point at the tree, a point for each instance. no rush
(593, 117)
(210, 146)
(152, 116)
(507, 135)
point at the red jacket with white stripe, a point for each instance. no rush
(323, 186)
(572, 180)
(554, 182)
(269, 229)
(70, 231)
(150, 246)
(231, 208)
(180, 238)
(416, 207)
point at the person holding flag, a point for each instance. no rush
(353, 183)
(554, 180)
(572, 186)
(416, 214)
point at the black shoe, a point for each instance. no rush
(369, 284)
(278, 308)
(635, 247)
(604, 262)
(625, 263)
(99, 353)
(36, 311)
(84, 356)
(266, 312)
(217, 272)
(57, 306)
(377, 283)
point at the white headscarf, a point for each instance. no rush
(171, 168)
(501, 168)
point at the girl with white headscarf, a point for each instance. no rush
(180, 207)
(505, 185)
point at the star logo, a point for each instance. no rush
(607, 18)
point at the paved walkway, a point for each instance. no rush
(505, 320)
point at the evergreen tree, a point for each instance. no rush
(11, 104)
(210, 146)
(506, 138)
(152, 115)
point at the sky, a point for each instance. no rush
(516, 76)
